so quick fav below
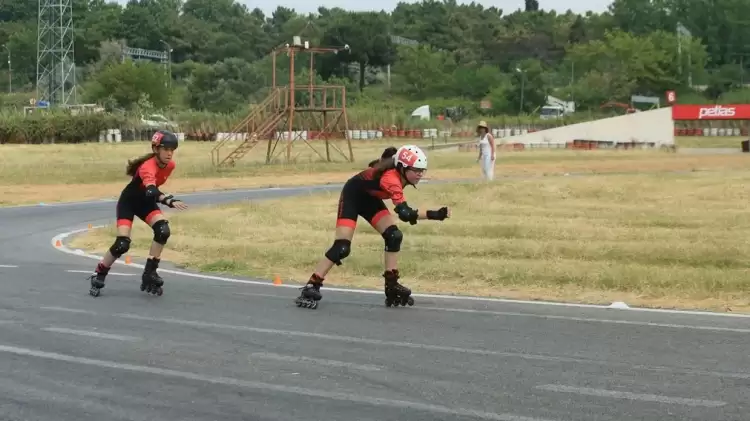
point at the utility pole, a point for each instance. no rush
(169, 61)
(523, 77)
(682, 31)
(10, 71)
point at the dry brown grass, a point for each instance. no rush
(709, 141)
(53, 173)
(665, 240)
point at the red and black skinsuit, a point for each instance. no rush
(140, 198)
(363, 195)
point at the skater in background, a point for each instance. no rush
(141, 198)
(486, 151)
(364, 195)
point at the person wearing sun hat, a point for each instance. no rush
(486, 157)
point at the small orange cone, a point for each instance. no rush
(58, 243)
(277, 280)
(127, 260)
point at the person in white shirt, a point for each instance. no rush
(486, 157)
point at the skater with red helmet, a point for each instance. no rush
(363, 195)
(141, 198)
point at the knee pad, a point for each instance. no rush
(393, 237)
(120, 246)
(338, 251)
(161, 231)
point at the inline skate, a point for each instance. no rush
(395, 293)
(97, 280)
(151, 282)
(310, 293)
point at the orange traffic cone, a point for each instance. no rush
(277, 280)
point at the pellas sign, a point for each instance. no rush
(711, 112)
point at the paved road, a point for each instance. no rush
(210, 349)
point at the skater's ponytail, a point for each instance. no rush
(134, 164)
(385, 162)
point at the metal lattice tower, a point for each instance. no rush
(55, 68)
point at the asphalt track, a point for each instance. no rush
(214, 348)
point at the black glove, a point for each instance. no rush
(438, 215)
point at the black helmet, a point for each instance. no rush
(164, 138)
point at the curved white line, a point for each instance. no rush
(617, 305)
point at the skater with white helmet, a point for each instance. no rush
(363, 195)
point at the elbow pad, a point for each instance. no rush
(406, 214)
(152, 191)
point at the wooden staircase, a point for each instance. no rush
(260, 124)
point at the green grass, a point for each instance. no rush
(660, 240)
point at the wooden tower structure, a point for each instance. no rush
(313, 114)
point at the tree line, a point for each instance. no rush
(437, 52)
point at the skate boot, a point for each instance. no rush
(395, 293)
(310, 293)
(151, 282)
(97, 279)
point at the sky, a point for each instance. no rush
(305, 6)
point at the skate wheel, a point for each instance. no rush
(304, 302)
(94, 292)
(143, 287)
(410, 301)
(159, 291)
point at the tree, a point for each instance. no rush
(224, 86)
(464, 52)
(422, 71)
(124, 85)
(367, 34)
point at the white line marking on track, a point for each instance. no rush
(62, 236)
(628, 395)
(8, 266)
(350, 339)
(227, 381)
(542, 316)
(316, 361)
(89, 272)
(588, 319)
(366, 341)
(67, 310)
(91, 334)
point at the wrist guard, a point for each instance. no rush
(169, 201)
(407, 214)
(438, 215)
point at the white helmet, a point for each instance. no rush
(410, 156)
